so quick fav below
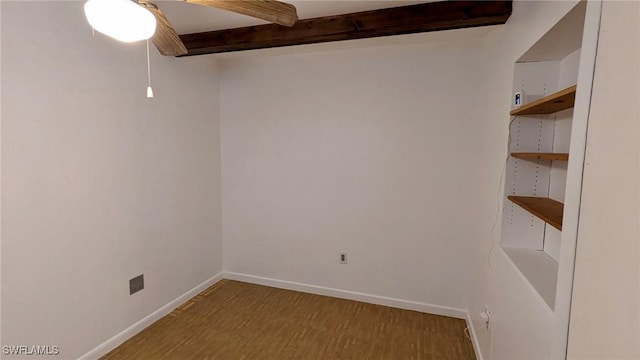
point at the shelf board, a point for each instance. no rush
(561, 100)
(541, 156)
(549, 210)
(540, 270)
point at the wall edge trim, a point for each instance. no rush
(473, 337)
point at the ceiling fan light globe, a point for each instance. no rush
(122, 20)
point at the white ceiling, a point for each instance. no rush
(189, 18)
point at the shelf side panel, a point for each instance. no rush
(552, 242)
(521, 229)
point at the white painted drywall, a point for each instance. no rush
(605, 313)
(100, 184)
(369, 151)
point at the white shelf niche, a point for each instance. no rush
(548, 66)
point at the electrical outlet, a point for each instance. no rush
(136, 284)
(343, 258)
(518, 99)
(486, 317)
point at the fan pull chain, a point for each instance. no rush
(149, 90)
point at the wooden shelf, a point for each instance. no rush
(541, 156)
(561, 100)
(549, 210)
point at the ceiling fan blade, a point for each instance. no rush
(165, 39)
(270, 10)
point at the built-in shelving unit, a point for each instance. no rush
(549, 210)
(546, 209)
(558, 101)
(541, 156)
(547, 131)
(540, 135)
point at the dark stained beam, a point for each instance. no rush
(434, 16)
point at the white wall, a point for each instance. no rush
(367, 151)
(100, 184)
(605, 313)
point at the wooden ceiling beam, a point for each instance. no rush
(433, 16)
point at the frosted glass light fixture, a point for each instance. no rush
(123, 20)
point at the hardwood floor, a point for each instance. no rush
(236, 320)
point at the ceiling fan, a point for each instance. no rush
(165, 37)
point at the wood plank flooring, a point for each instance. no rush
(236, 320)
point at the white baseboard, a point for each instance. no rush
(474, 338)
(349, 295)
(132, 330)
